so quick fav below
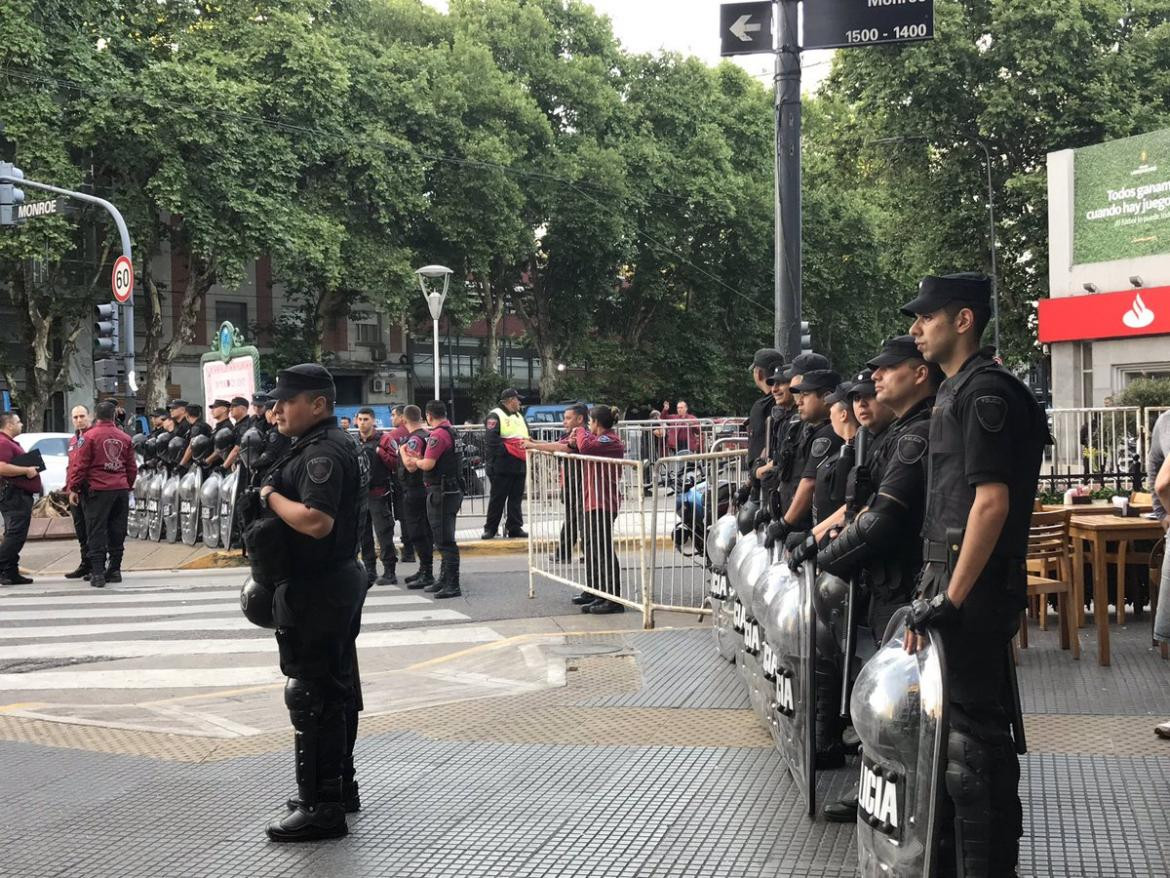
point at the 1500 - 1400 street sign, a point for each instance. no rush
(836, 24)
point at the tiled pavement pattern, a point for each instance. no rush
(469, 793)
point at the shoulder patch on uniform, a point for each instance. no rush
(604, 439)
(991, 412)
(911, 448)
(432, 441)
(820, 447)
(320, 469)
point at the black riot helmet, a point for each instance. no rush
(149, 448)
(256, 602)
(251, 447)
(161, 441)
(225, 437)
(175, 449)
(138, 440)
(200, 446)
(745, 518)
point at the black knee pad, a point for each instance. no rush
(303, 698)
(967, 770)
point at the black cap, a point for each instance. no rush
(177, 403)
(510, 393)
(239, 400)
(259, 399)
(841, 393)
(159, 413)
(816, 380)
(299, 379)
(934, 292)
(767, 359)
(219, 403)
(779, 375)
(863, 384)
(808, 362)
(895, 351)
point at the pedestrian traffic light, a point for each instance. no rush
(106, 375)
(105, 330)
(11, 196)
(805, 338)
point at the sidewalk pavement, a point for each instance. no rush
(636, 754)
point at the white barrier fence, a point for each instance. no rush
(1103, 445)
(628, 532)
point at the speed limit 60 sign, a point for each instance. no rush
(122, 279)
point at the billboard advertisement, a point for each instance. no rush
(1121, 205)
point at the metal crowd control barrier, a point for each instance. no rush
(620, 530)
(1102, 445)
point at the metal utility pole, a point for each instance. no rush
(788, 181)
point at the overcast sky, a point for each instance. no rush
(687, 26)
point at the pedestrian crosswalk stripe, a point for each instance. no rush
(221, 607)
(237, 623)
(117, 649)
(141, 678)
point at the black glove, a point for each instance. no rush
(801, 547)
(742, 495)
(938, 612)
(776, 532)
(763, 516)
(181, 470)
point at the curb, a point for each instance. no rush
(235, 557)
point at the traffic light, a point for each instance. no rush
(106, 375)
(105, 330)
(11, 196)
(805, 338)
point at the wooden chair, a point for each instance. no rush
(1048, 551)
(1156, 556)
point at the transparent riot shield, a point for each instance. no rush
(795, 691)
(170, 509)
(753, 565)
(209, 509)
(229, 489)
(721, 539)
(899, 712)
(774, 580)
(189, 492)
(154, 511)
(137, 516)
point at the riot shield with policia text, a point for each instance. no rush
(899, 710)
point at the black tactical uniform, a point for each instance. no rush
(986, 429)
(833, 471)
(317, 611)
(759, 422)
(380, 513)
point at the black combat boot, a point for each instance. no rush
(441, 582)
(81, 572)
(449, 583)
(97, 580)
(425, 578)
(389, 577)
(319, 814)
(113, 574)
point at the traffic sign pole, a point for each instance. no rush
(788, 182)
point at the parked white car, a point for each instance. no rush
(54, 447)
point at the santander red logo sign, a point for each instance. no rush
(1106, 315)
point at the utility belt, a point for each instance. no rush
(944, 551)
(449, 484)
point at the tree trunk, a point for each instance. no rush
(159, 356)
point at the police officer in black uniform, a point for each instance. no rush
(782, 482)
(765, 364)
(832, 475)
(987, 436)
(311, 495)
(881, 549)
(816, 442)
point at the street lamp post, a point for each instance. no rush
(429, 277)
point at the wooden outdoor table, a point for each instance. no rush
(1100, 530)
(1092, 508)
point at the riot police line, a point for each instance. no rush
(870, 582)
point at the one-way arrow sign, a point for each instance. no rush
(745, 28)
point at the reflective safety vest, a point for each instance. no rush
(513, 430)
